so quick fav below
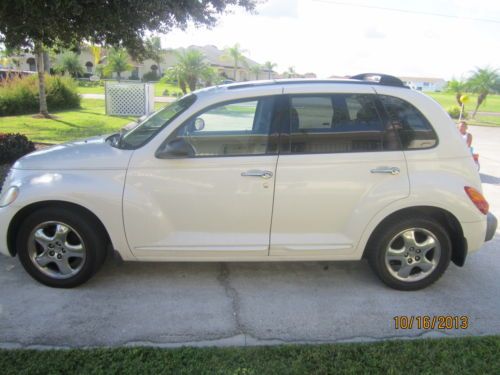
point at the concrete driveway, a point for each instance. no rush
(174, 304)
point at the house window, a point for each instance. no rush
(426, 84)
(32, 64)
(89, 66)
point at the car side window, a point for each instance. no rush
(414, 130)
(337, 123)
(231, 129)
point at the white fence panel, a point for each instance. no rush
(129, 98)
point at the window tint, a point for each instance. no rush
(414, 129)
(337, 123)
(239, 128)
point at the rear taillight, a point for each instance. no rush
(477, 198)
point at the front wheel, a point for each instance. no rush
(60, 248)
(410, 254)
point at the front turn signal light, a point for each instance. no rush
(478, 199)
(9, 196)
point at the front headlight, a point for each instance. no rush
(8, 196)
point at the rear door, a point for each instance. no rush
(340, 163)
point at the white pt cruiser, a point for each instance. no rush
(262, 171)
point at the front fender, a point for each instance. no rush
(99, 191)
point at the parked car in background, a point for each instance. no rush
(292, 170)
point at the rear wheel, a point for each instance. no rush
(60, 247)
(410, 254)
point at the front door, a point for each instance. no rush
(215, 203)
(341, 163)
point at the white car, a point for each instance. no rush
(293, 170)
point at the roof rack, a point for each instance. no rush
(381, 79)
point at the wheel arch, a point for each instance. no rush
(444, 217)
(22, 214)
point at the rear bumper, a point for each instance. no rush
(491, 226)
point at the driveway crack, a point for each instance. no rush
(233, 295)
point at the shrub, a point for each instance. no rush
(454, 112)
(13, 146)
(20, 95)
(150, 76)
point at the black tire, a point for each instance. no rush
(92, 238)
(385, 235)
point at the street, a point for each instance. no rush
(175, 304)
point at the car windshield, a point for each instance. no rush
(147, 129)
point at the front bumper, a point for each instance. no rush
(491, 226)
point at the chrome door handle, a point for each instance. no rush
(388, 170)
(257, 173)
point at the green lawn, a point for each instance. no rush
(492, 103)
(474, 355)
(160, 87)
(69, 125)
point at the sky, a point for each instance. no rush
(330, 37)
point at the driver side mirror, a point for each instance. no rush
(176, 148)
(199, 124)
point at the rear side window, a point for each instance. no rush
(337, 123)
(414, 129)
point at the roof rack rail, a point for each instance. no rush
(381, 79)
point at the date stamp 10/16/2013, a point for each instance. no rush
(431, 322)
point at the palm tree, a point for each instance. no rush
(210, 76)
(154, 51)
(269, 66)
(482, 82)
(70, 63)
(235, 53)
(290, 73)
(458, 87)
(190, 67)
(117, 62)
(96, 52)
(9, 57)
(255, 69)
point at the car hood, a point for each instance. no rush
(93, 153)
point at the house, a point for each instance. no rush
(424, 83)
(215, 57)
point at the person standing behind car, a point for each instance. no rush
(467, 137)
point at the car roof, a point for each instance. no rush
(360, 79)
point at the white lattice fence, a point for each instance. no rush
(129, 99)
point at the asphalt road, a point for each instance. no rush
(174, 304)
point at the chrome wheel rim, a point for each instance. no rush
(56, 249)
(412, 254)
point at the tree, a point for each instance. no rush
(69, 62)
(9, 57)
(35, 25)
(210, 76)
(235, 53)
(191, 66)
(117, 62)
(96, 52)
(458, 87)
(290, 73)
(482, 82)
(154, 51)
(269, 66)
(255, 69)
